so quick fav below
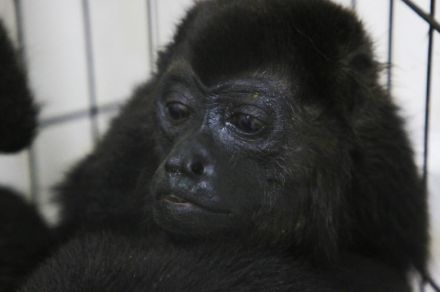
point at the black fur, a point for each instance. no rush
(17, 110)
(24, 237)
(340, 177)
(112, 263)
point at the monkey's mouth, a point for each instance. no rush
(181, 202)
(171, 198)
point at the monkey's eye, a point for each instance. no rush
(247, 123)
(177, 111)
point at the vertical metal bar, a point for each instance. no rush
(390, 47)
(33, 175)
(152, 32)
(32, 159)
(20, 35)
(93, 110)
(428, 100)
(353, 4)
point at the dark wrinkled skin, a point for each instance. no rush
(214, 159)
(264, 128)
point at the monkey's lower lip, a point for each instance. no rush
(174, 199)
(185, 203)
(179, 202)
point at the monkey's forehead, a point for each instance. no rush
(225, 38)
(265, 84)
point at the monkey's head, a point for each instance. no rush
(271, 125)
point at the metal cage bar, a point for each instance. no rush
(390, 47)
(429, 18)
(91, 73)
(32, 158)
(152, 34)
(428, 97)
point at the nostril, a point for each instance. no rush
(197, 168)
(171, 167)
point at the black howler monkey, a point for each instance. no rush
(265, 128)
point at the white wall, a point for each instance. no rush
(124, 39)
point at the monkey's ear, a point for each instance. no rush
(17, 108)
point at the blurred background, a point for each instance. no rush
(84, 57)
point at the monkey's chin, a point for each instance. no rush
(188, 218)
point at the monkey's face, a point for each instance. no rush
(218, 147)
